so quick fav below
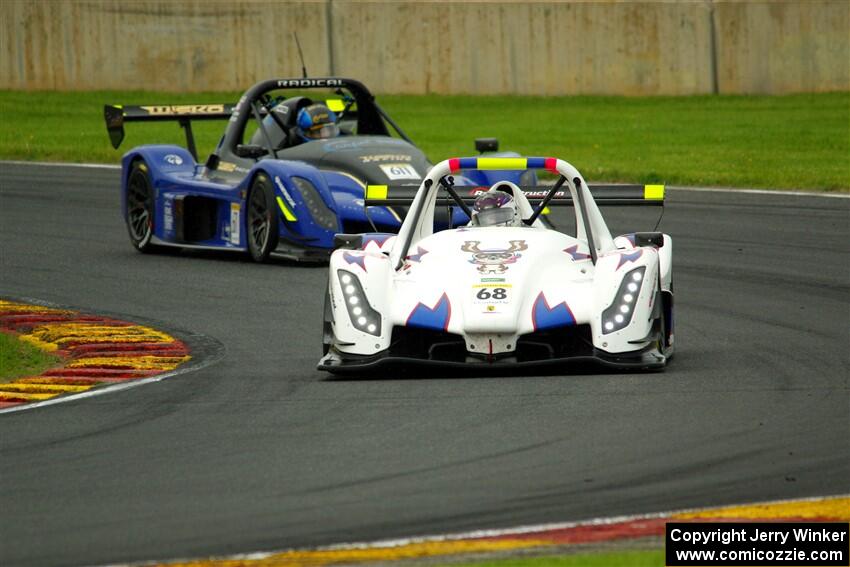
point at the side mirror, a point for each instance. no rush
(250, 151)
(486, 145)
(348, 241)
(649, 239)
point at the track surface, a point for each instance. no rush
(260, 451)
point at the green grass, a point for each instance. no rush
(647, 558)
(18, 358)
(793, 141)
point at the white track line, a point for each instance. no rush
(779, 192)
(390, 543)
(99, 390)
(60, 164)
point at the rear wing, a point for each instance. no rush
(116, 115)
(620, 195)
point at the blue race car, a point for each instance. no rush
(288, 174)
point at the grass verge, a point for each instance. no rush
(18, 358)
(644, 558)
(794, 141)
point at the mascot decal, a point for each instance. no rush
(494, 261)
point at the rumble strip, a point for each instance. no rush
(95, 352)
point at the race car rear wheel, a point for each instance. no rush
(140, 207)
(262, 219)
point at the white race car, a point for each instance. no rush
(505, 289)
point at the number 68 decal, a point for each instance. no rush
(491, 293)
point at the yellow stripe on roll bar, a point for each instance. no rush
(502, 163)
(653, 192)
(378, 192)
(287, 214)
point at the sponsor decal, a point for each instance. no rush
(226, 166)
(395, 171)
(168, 213)
(188, 109)
(283, 190)
(494, 260)
(385, 157)
(492, 280)
(342, 145)
(489, 294)
(535, 194)
(234, 223)
(309, 83)
(173, 159)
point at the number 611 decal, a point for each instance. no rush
(491, 293)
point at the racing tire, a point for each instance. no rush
(327, 328)
(668, 327)
(261, 219)
(662, 343)
(139, 213)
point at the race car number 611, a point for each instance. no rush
(492, 293)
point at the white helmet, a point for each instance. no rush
(496, 207)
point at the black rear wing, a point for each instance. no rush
(116, 115)
(620, 195)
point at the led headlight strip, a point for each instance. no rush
(361, 314)
(619, 314)
(320, 212)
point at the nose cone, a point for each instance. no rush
(494, 278)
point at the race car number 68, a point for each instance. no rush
(484, 293)
(496, 293)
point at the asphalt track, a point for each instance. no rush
(260, 451)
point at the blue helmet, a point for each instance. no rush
(316, 122)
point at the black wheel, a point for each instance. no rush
(668, 325)
(327, 327)
(261, 219)
(663, 325)
(140, 209)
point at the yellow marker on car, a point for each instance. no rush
(653, 192)
(335, 104)
(287, 214)
(376, 192)
(502, 163)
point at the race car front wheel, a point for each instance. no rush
(262, 219)
(327, 325)
(140, 207)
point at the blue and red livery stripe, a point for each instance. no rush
(355, 258)
(545, 317)
(547, 163)
(436, 317)
(630, 257)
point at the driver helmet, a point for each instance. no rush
(495, 208)
(316, 122)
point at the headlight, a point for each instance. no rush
(320, 212)
(619, 314)
(361, 314)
